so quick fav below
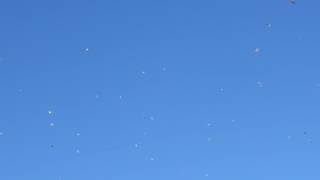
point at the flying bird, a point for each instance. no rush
(293, 2)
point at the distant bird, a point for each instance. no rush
(269, 25)
(50, 112)
(293, 2)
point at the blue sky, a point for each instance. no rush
(159, 90)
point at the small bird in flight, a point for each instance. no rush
(292, 2)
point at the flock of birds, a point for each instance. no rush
(137, 145)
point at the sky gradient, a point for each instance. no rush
(159, 90)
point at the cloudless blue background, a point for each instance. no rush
(159, 90)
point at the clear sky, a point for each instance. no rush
(159, 90)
